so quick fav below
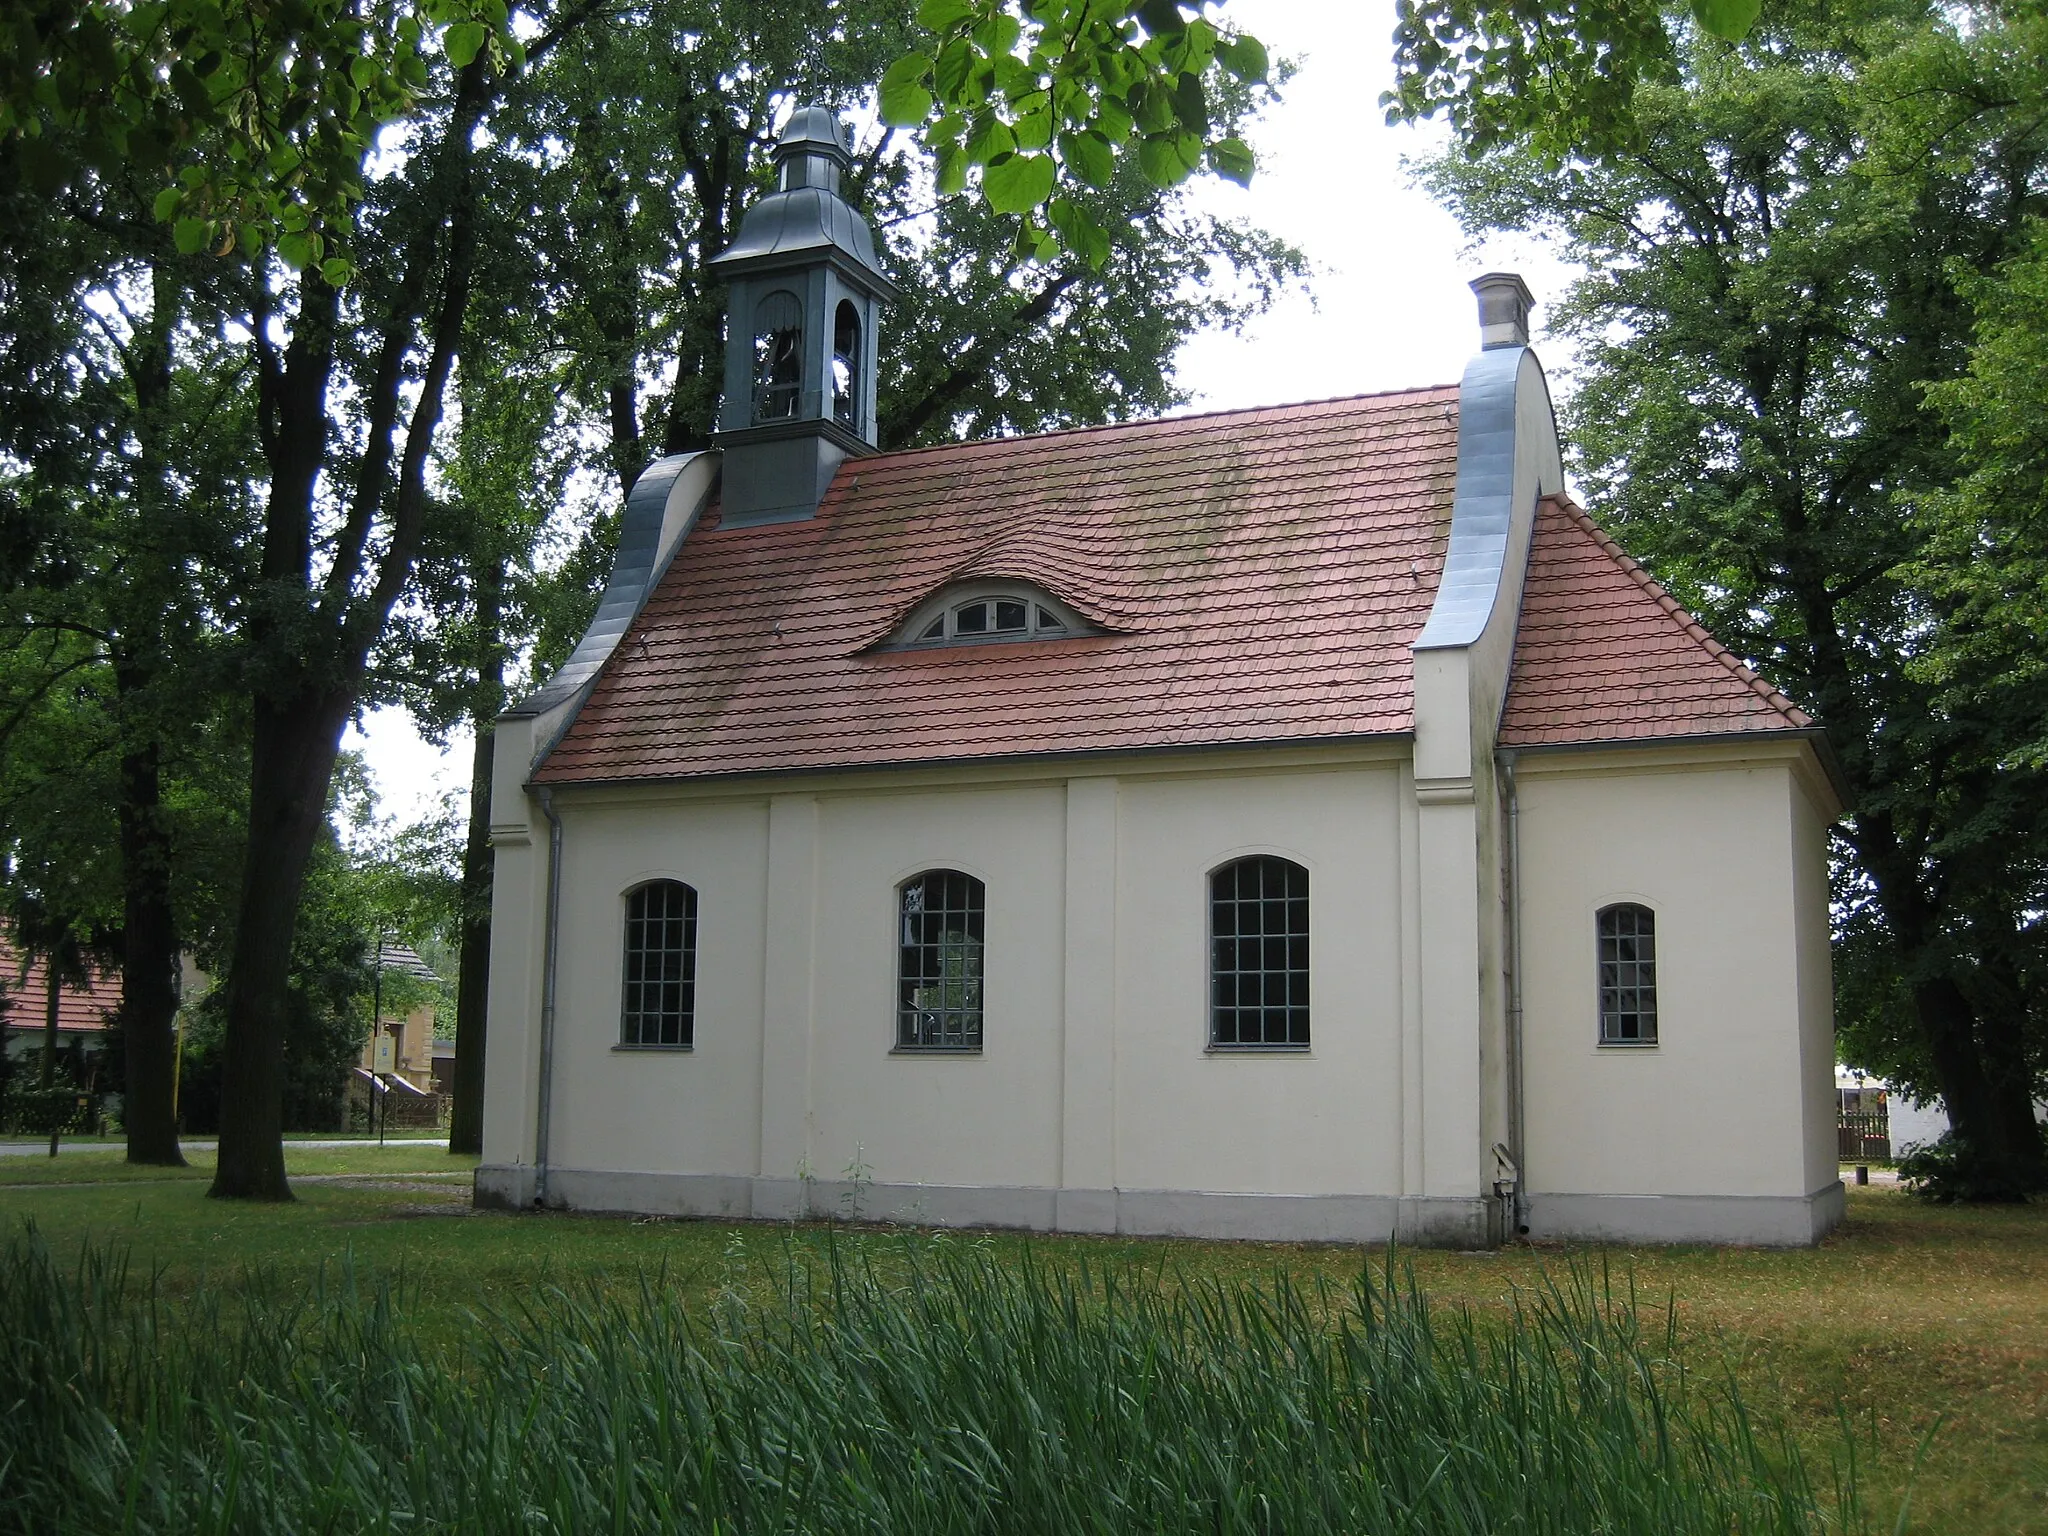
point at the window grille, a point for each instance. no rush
(1628, 975)
(1002, 617)
(660, 1001)
(1258, 953)
(939, 998)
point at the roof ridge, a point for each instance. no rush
(1694, 630)
(1140, 424)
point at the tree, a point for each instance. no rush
(328, 175)
(125, 480)
(628, 162)
(1554, 78)
(1030, 101)
(1762, 312)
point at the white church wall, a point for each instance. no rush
(1327, 1121)
(1095, 1097)
(1721, 1110)
(1810, 823)
(660, 1109)
(991, 1118)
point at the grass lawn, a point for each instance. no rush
(1906, 1315)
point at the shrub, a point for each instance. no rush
(1951, 1172)
(28, 1110)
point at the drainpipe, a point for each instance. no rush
(547, 998)
(1513, 882)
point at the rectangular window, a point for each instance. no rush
(660, 997)
(942, 917)
(1258, 954)
(1628, 975)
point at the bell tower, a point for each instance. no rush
(805, 296)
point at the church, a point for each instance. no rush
(1296, 824)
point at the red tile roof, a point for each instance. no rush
(22, 1001)
(1604, 653)
(1262, 574)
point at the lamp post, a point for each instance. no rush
(376, 1029)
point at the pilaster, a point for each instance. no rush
(789, 1004)
(1086, 1201)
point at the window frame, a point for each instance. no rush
(1213, 901)
(908, 1039)
(631, 1018)
(944, 606)
(1642, 977)
(769, 390)
(846, 408)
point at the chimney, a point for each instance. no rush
(1504, 305)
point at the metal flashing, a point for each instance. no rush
(1482, 511)
(664, 506)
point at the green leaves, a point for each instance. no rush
(904, 100)
(1089, 156)
(1018, 183)
(1244, 57)
(1729, 20)
(1560, 78)
(1037, 92)
(463, 41)
(1232, 160)
(258, 115)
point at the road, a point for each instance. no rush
(42, 1148)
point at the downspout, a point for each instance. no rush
(1513, 920)
(547, 998)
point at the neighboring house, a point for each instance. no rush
(1299, 823)
(1911, 1124)
(402, 1045)
(1863, 1116)
(82, 1012)
(444, 1066)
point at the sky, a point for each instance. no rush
(1388, 306)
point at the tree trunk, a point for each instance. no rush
(1949, 1024)
(2010, 1087)
(149, 930)
(292, 764)
(473, 978)
(149, 968)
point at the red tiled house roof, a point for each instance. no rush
(1261, 577)
(1603, 653)
(1261, 574)
(24, 998)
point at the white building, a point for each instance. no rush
(1297, 824)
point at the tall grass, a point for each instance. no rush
(909, 1387)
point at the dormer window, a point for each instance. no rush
(975, 615)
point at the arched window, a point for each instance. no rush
(996, 616)
(940, 929)
(1628, 974)
(778, 356)
(659, 1005)
(1258, 953)
(846, 365)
